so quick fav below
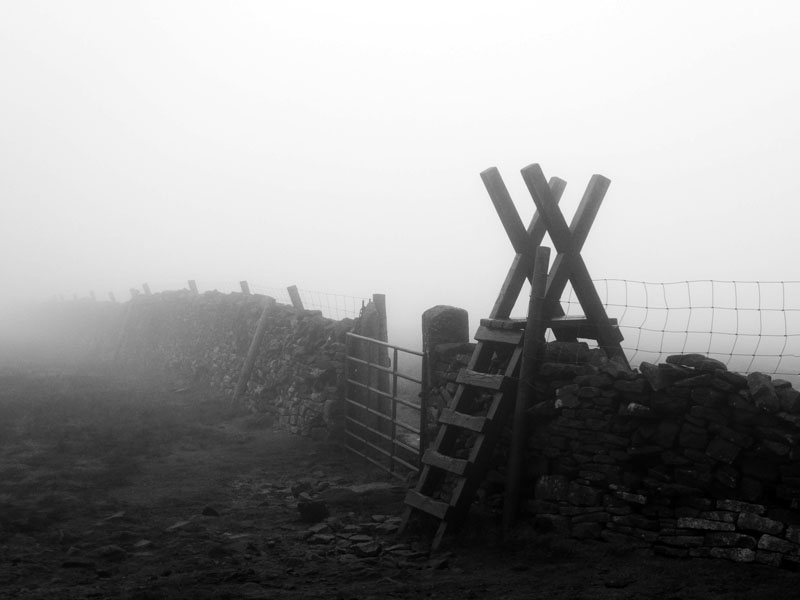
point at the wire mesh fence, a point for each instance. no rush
(748, 325)
(333, 306)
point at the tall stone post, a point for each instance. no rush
(442, 326)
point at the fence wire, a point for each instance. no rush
(748, 325)
(332, 305)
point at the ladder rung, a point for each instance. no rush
(499, 336)
(457, 466)
(481, 380)
(513, 324)
(433, 507)
(580, 326)
(470, 422)
(576, 321)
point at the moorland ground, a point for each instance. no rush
(114, 487)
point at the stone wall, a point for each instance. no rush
(685, 457)
(202, 340)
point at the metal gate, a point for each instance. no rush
(386, 412)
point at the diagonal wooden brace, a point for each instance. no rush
(525, 242)
(569, 241)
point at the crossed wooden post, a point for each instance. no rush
(501, 339)
(568, 265)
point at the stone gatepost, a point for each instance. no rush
(445, 337)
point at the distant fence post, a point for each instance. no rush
(124, 331)
(380, 354)
(373, 375)
(252, 353)
(245, 288)
(146, 289)
(193, 286)
(379, 300)
(297, 302)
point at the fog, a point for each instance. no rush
(338, 146)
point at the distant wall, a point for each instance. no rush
(685, 457)
(203, 340)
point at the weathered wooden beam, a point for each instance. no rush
(584, 216)
(481, 380)
(255, 345)
(547, 207)
(506, 210)
(425, 504)
(469, 422)
(533, 348)
(193, 286)
(297, 302)
(245, 287)
(522, 265)
(379, 300)
(457, 466)
(498, 336)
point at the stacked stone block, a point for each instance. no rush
(298, 376)
(684, 457)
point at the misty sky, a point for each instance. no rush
(338, 145)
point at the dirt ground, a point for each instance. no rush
(116, 489)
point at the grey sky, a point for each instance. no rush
(337, 145)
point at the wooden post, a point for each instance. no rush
(379, 300)
(245, 288)
(124, 329)
(112, 297)
(193, 286)
(531, 358)
(252, 353)
(146, 289)
(297, 302)
(379, 356)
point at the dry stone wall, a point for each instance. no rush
(203, 339)
(686, 457)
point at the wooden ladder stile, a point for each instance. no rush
(465, 474)
(497, 357)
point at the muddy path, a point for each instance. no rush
(119, 489)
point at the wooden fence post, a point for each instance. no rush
(146, 289)
(297, 302)
(531, 358)
(245, 288)
(255, 345)
(379, 300)
(193, 286)
(122, 339)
